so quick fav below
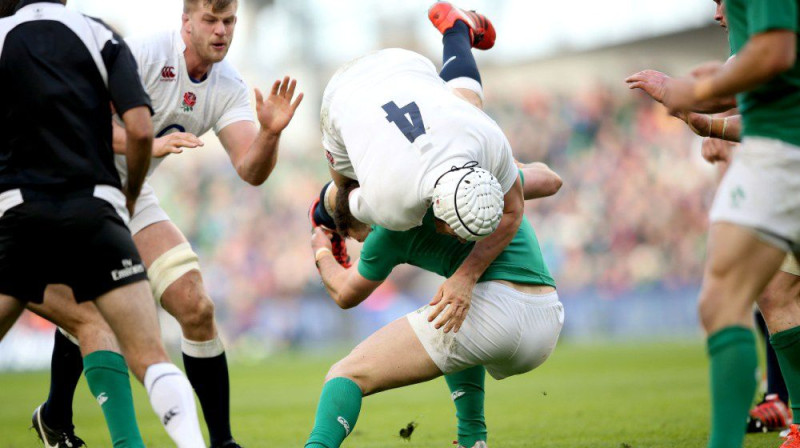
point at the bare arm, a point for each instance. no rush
(470, 97)
(254, 152)
(139, 147)
(540, 180)
(765, 56)
(346, 287)
(724, 128)
(658, 85)
(456, 291)
(169, 144)
(486, 250)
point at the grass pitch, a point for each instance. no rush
(614, 396)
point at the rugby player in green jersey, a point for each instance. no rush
(461, 73)
(756, 213)
(512, 326)
(782, 294)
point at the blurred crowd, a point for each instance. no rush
(629, 223)
(632, 213)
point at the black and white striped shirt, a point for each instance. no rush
(59, 73)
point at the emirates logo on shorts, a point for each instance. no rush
(189, 100)
(168, 73)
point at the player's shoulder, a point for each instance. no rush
(228, 75)
(156, 46)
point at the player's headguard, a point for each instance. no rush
(470, 200)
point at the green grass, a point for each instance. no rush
(585, 396)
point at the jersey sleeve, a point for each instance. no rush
(379, 255)
(767, 15)
(332, 143)
(237, 108)
(506, 170)
(124, 83)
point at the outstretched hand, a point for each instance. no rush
(451, 303)
(651, 82)
(276, 111)
(175, 143)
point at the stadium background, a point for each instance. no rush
(624, 237)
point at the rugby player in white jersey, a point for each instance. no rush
(460, 71)
(392, 124)
(193, 90)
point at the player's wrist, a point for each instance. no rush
(703, 89)
(321, 253)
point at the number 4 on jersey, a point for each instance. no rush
(408, 119)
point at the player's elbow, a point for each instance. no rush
(252, 176)
(554, 184)
(349, 298)
(346, 301)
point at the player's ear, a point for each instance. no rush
(187, 26)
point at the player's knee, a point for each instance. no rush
(347, 369)
(709, 308)
(177, 265)
(197, 311)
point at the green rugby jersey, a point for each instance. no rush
(520, 262)
(773, 109)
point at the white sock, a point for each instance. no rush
(172, 399)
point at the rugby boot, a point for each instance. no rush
(443, 16)
(792, 440)
(771, 414)
(478, 444)
(229, 444)
(54, 438)
(339, 247)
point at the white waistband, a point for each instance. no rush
(9, 199)
(550, 298)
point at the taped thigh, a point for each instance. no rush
(171, 266)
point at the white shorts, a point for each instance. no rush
(761, 191)
(790, 265)
(147, 210)
(506, 331)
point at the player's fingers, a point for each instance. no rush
(444, 316)
(185, 143)
(284, 86)
(275, 86)
(635, 77)
(436, 311)
(453, 320)
(457, 320)
(438, 297)
(297, 101)
(188, 136)
(259, 96)
(290, 91)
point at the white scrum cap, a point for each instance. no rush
(470, 200)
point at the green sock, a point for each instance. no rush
(107, 375)
(337, 413)
(733, 384)
(786, 348)
(466, 390)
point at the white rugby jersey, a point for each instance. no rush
(390, 122)
(180, 103)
